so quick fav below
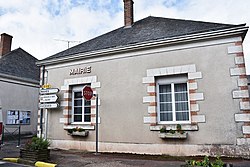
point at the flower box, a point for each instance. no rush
(77, 133)
(175, 135)
(35, 155)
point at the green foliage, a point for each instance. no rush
(171, 131)
(76, 129)
(37, 143)
(218, 162)
(206, 162)
(70, 130)
(178, 127)
(163, 129)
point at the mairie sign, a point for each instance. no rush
(48, 98)
(49, 105)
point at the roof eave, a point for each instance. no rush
(33, 82)
(240, 30)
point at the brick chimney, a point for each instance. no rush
(5, 45)
(128, 13)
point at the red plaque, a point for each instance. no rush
(87, 93)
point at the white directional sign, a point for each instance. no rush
(49, 91)
(49, 105)
(48, 98)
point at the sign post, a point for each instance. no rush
(87, 93)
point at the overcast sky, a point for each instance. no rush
(43, 27)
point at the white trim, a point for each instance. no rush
(198, 118)
(237, 94)
(148, 80)
(195, 75)
(196, 96)
(242, 117)
(246, 129)
(242, 82)
(245, 105)
(171, 70)
(239, 60)
(188, 127)
(149, 99)
(234, 49)
(243, 141)
(237, 71)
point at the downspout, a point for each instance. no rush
(41, 115)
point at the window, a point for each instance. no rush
(81, 109)
(173, 100)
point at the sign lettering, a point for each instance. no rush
(49, 105)
(78, 71)
(87, 93)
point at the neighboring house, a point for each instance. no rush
(154, 73)
(19, 87)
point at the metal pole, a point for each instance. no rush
(3, 136)
(41, 115)
(19, 135)
(96, 151)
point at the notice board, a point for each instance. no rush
(15, 117)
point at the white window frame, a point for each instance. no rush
(79, 89)
(171, 80)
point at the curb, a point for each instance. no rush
(15, 160)
(44, 164)
(37, 164)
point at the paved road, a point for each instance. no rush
(76, 158)
(7, 164)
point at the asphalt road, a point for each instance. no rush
(8, 164)
(79, 158)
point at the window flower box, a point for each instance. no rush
(83, 133)
(78, 132)
(175, 135)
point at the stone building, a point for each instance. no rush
(152, 74)
(19, 88)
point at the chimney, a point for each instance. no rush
(5, 45)
(128, 13)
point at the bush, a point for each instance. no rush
(206, 162)
(37, 143)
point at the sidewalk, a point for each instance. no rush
(76, 158)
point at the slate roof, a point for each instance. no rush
(19, 63)
(147, 29)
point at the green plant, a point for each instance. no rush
(172, 131)
(76, 129)
(218, 162)
(37, 143)
(206, 162)
(163, 129)
(178, 127)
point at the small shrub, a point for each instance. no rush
(37, 143)
(206, 162)
(172, 131)
(163, 129)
